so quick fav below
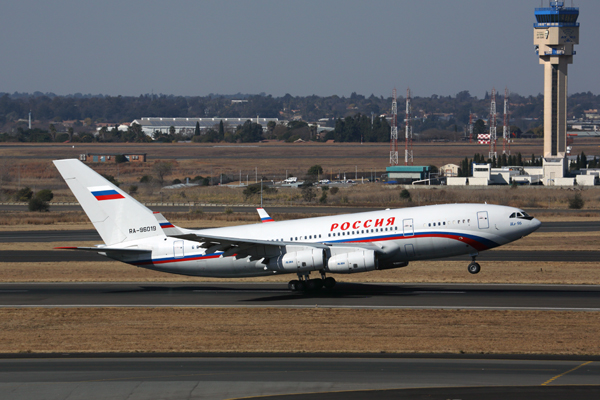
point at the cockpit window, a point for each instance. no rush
(513, 215)
(524, 215)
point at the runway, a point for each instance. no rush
(325, 377)
(344, 295)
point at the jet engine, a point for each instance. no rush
(352, 262)
(310, 259)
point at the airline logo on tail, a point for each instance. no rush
(105, 193)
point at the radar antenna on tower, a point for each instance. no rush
(394, 133)
(408, 149)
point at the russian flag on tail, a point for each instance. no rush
(105, 193)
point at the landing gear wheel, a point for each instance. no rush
(329, 283)
(311, 285)
(474, 268)
(293, 285)
(301, 286)
(318, 284)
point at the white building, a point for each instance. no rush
(187, 126)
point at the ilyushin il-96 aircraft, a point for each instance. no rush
(340, 244)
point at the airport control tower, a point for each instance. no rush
(555, 35)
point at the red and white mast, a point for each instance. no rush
(506, 133)
(408, 148)
(394, 133)
(493, 136)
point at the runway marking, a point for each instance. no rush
(298, 307)
(565, 373)
(436, 292)
(239, 291)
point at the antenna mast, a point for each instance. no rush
(470, 127)
(408, 150)
(493, 115)
(394, 133)
(506, 122)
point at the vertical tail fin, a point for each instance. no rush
(116, 216)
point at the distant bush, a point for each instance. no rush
(45, 195)
(576, 202)
(334, 190)
(37, 204)
(146, 179)
(176, 181)
(24, 194)
(133, 189)
(323, 198)
(120, 158)
(405, 194)
(112, 180)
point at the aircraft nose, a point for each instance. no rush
(534, 224)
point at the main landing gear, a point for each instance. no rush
(474, 268)
(304, 284)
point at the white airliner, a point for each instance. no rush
(341, 244)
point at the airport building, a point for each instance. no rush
(407, 174)
(187, 126)
(555, 34)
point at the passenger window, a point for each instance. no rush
(444, 223)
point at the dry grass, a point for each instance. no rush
(272, 161)
(582, 273)
(280, 330)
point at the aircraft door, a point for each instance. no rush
(482, 220)
(408, 228)
(178, 249)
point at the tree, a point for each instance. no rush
(197, 130)
(308, 194)
(221, 131)
(162, 169)
(45, 195)
(111, 179)
(36, 204)
(576, 202)
(479, 127)
(249, 132)
(24, 194)
(315, 170)
(39, 202)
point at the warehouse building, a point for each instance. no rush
(187, 126)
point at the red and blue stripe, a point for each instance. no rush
(111, 194)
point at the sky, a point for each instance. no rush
(301, 47)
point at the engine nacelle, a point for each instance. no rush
(350, 263)
(299, 261)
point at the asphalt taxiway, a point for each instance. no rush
(344, 295)
(310, 378)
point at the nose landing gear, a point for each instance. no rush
(474, 267)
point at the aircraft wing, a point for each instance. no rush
(243, 247)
